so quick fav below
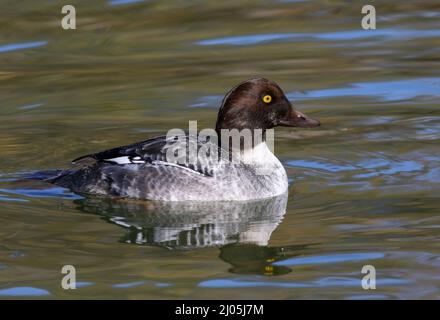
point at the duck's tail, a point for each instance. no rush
(49, 175)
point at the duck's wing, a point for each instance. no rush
(163, 150)
(146, 151)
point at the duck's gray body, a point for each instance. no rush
(142, 171)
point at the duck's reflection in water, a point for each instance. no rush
(240, 229)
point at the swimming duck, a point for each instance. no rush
(144, 170)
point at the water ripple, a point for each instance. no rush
(250, 39)
(128, 284)
(122, 2)
(393, 90)
(319, 165)
(382, 90)
(30, 106)
(23, 292)
(50, 192)
(332, 258)
(5, 197)
(324, 282)
(23, 45)
(237, 283)
(83, 284)
(346, 35)
(391, 171)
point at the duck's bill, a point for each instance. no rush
(299, 119)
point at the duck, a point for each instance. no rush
(207, 167)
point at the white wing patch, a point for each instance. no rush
(126, 160)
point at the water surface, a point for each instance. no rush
(364, 186)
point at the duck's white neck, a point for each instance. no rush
(266, 164)
(260, 155)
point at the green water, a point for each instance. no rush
(364, 186)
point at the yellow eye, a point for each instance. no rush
(267, 98)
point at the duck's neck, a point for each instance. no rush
(259, 154)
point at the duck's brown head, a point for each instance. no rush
(259, 104)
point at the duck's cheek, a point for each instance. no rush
(272, 120)
(283, 118)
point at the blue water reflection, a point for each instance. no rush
(332, 258)
(123, 2)
(324, 282)
(49, 192)
(23, 292)
(23, 45)
(386, 91)
(346, 35)
(381, 90)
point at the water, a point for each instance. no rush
(364, 187)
